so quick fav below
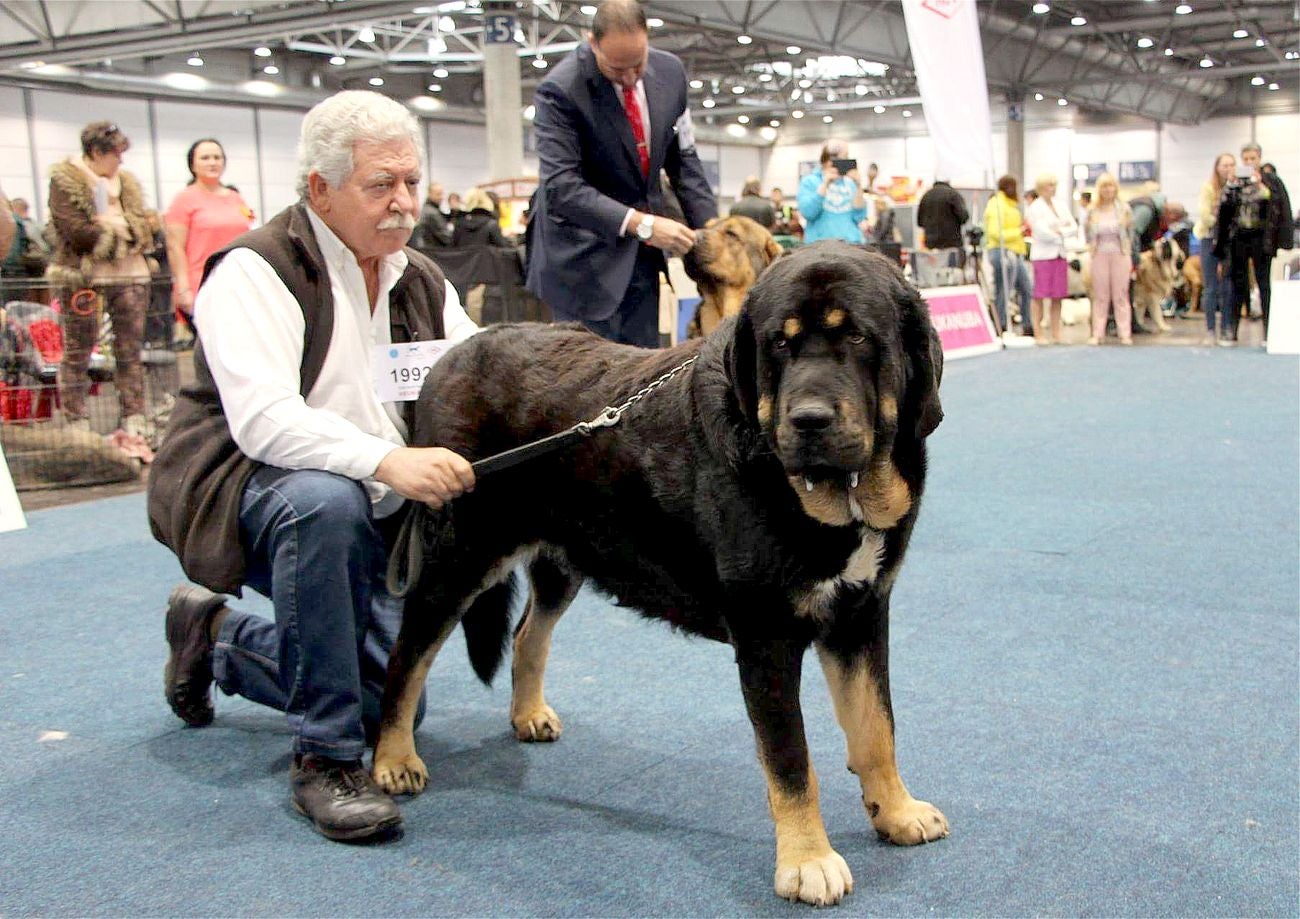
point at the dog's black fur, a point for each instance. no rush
(720, 503)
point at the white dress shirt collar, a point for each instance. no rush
(342, 259)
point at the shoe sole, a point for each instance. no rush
(382, 828)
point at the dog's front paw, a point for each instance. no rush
(538, 725)
(909, 823)
(821, 881)
(399, 774)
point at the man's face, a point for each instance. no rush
(621, 56)
(374, 211)
(435, 194)
(1250, 158)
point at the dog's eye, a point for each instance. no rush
(858, 339)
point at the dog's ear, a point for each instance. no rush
(772, 249)
(741, 359)
(712, 222)
(925, 364)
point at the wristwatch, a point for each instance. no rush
(646, 228)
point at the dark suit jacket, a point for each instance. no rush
(590, 175)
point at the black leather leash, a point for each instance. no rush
(406, 559)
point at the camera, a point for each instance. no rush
(974, 236)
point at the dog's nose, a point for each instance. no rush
(812, 416)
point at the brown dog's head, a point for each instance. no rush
(834, 358)
(729, 255)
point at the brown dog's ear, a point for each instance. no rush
(925, 364)
(773, 249)
(712, 222)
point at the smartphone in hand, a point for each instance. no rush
(844, 165)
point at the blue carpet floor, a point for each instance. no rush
(1095, 677)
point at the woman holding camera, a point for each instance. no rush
(1240, 240)
(831, 200)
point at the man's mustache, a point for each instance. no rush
(397, 222)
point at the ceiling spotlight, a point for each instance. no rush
(743, 119)
(1206, 62)
(262, 51)
(1292, 55)
(804, 84)
(830, 95)
(1038, 97)
(1256, 81)
(793, 49)
(1078, 21)
(736, 130)
(737, 89)
(1145, 42)
(1272, 86)
(1169, 52)
(1041, 8)
(366, 35)
(775, 123)
(446, 24)
(827, 119)
(907, 113)
(539, 62)
(860, 90)
(338, 60)
(765, 77)
(1240, 33)
(422, 10)
(880, 110)
(697, 84)
(1261, 42)
(654, 22)
(530, 112)
(743, 39)
(708, 103)
(1182, 9)
(195, 60)
(376, 81)
(435, 87)
(767, 133)
(1062, 102)
(441, 73)
(796, 94)
(807, 97)
(588, 10)
(271, 69)
(797, 113)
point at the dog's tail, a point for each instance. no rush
(487, 627)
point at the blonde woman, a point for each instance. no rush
(1108, 228)
(1216, 295)
(1050, 226)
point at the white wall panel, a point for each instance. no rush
(15, 152)
(458, 155)
(735, 164)
(1187, 155)
(279, 139)
(1279, 138)
(180, 124)
(1112, 146)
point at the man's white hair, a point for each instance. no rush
(333, 127)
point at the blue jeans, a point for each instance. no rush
(1216, 296)
(1018, 275)
(313, 547)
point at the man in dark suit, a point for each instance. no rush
(609, 118)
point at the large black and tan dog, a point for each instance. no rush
(763, 497)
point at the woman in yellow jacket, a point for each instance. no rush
(1004, 238)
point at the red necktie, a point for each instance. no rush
(638, 127)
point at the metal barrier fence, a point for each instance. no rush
(88, 377)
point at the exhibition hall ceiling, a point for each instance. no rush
(756, 64)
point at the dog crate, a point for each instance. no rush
(43, 448)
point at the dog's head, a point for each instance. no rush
(835, 360)
(728, 256)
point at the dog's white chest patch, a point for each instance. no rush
(862, 567)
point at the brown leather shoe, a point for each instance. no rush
(187, 678)
(341, 799)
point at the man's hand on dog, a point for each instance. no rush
(674, 238)
(433, 475)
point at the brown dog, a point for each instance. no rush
(1157, 270)
(729, 255)
(1195, 279)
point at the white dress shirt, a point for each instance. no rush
(252, 329)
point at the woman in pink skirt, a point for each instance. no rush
(1049, 226)
(1107, 228)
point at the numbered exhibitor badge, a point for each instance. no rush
(400, 369)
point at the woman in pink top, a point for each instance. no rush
(204, 217)
(1107, 227)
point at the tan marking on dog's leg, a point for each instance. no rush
(825, 503)
(807, 868)
(396, 767)
(896, 815)
(530, 716)
(833, 319)
(792, 327)
(883, 496)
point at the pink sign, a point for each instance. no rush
(959, 316)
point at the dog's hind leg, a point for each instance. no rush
(554, 585)
(397, 769)
(860, 690)
(807, 868)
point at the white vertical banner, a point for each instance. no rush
(11, 512)
(944, 36)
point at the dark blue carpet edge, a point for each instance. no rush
(1096, 658)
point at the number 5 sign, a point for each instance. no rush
(498, 29)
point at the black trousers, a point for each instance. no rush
(1247, 248)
